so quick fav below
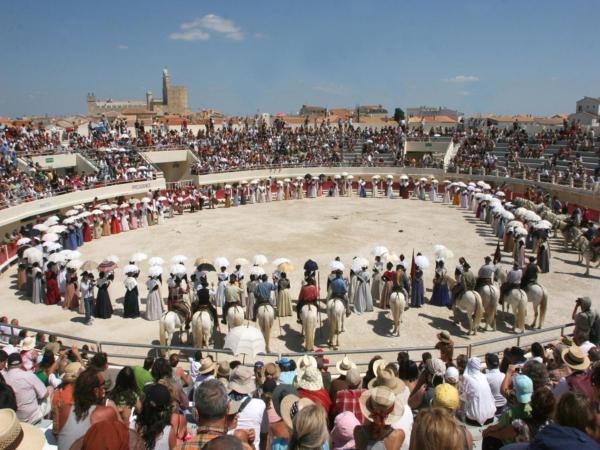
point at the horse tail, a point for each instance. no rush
(162, 331)
(309, 325)
(521, 310)
(543, 305)
(478, 311)
(266, 324)
(197, 330)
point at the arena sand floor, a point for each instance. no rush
(320, 229)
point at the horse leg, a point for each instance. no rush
(535, 315)
(455, 313)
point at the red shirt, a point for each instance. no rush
(308, 293)
(320, 397)
(347, 400)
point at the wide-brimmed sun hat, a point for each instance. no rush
(223, 370)
(575, 358)
(311, 379)
(241, 380)
(386, 377)
(444, 336)
(280, 392)
(71, 372)
(28, 344)
(379, 401)
(207, 366)
(344, 365)
(16, 435)
(291, 405)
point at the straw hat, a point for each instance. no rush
(446, 396)
(223, 370)
(28, 344)
(379, 400)
(311, 379)
(272, 370)
(387, 378)
(15, 435)
(207, 366)
(281, 392)
(344, 365)
(304, 362)
(575, 358)
(241, 380)
(292, 405)
(71, 372)
(444, 336)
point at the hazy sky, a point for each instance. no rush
(511, 56)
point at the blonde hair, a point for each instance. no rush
(310, 429)
(436, 429)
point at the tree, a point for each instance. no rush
(398, 114)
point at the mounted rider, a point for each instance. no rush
(530, 273)
(262, 293)
(233, 296)
(339, 290)
(465, 280)
(401, 282)
(485, 276)
(176, 302)
(513, 281)
(309, 295)
(203, 295)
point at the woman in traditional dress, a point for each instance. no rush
(286, 190)
(79, 233)
(313, 188)
(124, 221)
(37, 283)
(456, 196)
(87, 231)
(236, 195)
(223, 277)
(115, 225)
(144, 215)
(389, 187)
(363, 302)
(22, 272)
(464, 199)
(376, 279)
(441, 293)
(279, 190)
(423, 190)
(374, 187)
(52, 291)
(388, 280)
(160, 213)
(104, 307)
(131, 305)
(262, 190)
(301, 188)
(447, 189)
(97, 227)
(133, 221)
(72, 238)
(227, 196)
(106, 225)
(154, 304)
(284, 299)
(433, 190)
(71, 291)
(250, 293)
(417, 289)
(543, 256)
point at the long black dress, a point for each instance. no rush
(131, 306)
(104, 308)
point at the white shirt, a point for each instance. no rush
(254, 416)
(494, 378)
(479, 403)
(586, 347)
(405, 423)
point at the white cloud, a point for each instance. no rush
(260, 35)
(462, 79)
(191, 35)
(201, 28)
(122, 47)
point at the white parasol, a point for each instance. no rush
(156, 261)
(41, 227)
(155, 271)
(112, 258)
(32, 255)
(278, 261)
(244, 340)
(421, 262)
(50, 237)
(74, 264)
(178, 269)
(139, 256)
(57, 229)
(221, 261)
(23, 241)
(358, 263)
(379, 250)
(240, 262)
(71, 212)
(257, 271)
(179, 259)
(259, 260)
(442, 252)
(131, 268)
(336, 265)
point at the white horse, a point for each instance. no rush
(590, 254)
(202, 327)
(235, 316)
(265, 316)
(308, 315)
(168, 324)
(471, 304)
(517, 300)
(397, 305)
(490, 294)
(538, 296)
(335, 312)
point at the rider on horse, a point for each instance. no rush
(401, 281)
(466, 280)
(309, 295)
(485, 276)
(339, 290)
(513, 281)
(203, 301)
(530, 274)
(233, 296)
(176, 303)
(262, 293)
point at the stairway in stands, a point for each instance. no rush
(353, 154)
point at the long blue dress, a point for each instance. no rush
(72, 241)
(418, 290)
(441, 293)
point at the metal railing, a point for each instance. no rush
(478, 348)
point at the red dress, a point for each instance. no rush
(115, 226)
(52, 291)
(87, 232)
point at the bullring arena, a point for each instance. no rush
(320, 229)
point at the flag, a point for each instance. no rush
(413, 268)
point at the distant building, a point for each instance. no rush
(587, 112)
(174, 101)
(312, 111)
(430, 111)
(371, 111)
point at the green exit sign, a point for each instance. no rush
(49, 160)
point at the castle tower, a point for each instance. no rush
(91, 103)
(149, 99)
(166, 79)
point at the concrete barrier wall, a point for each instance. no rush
(175, 164)
(427, 147)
